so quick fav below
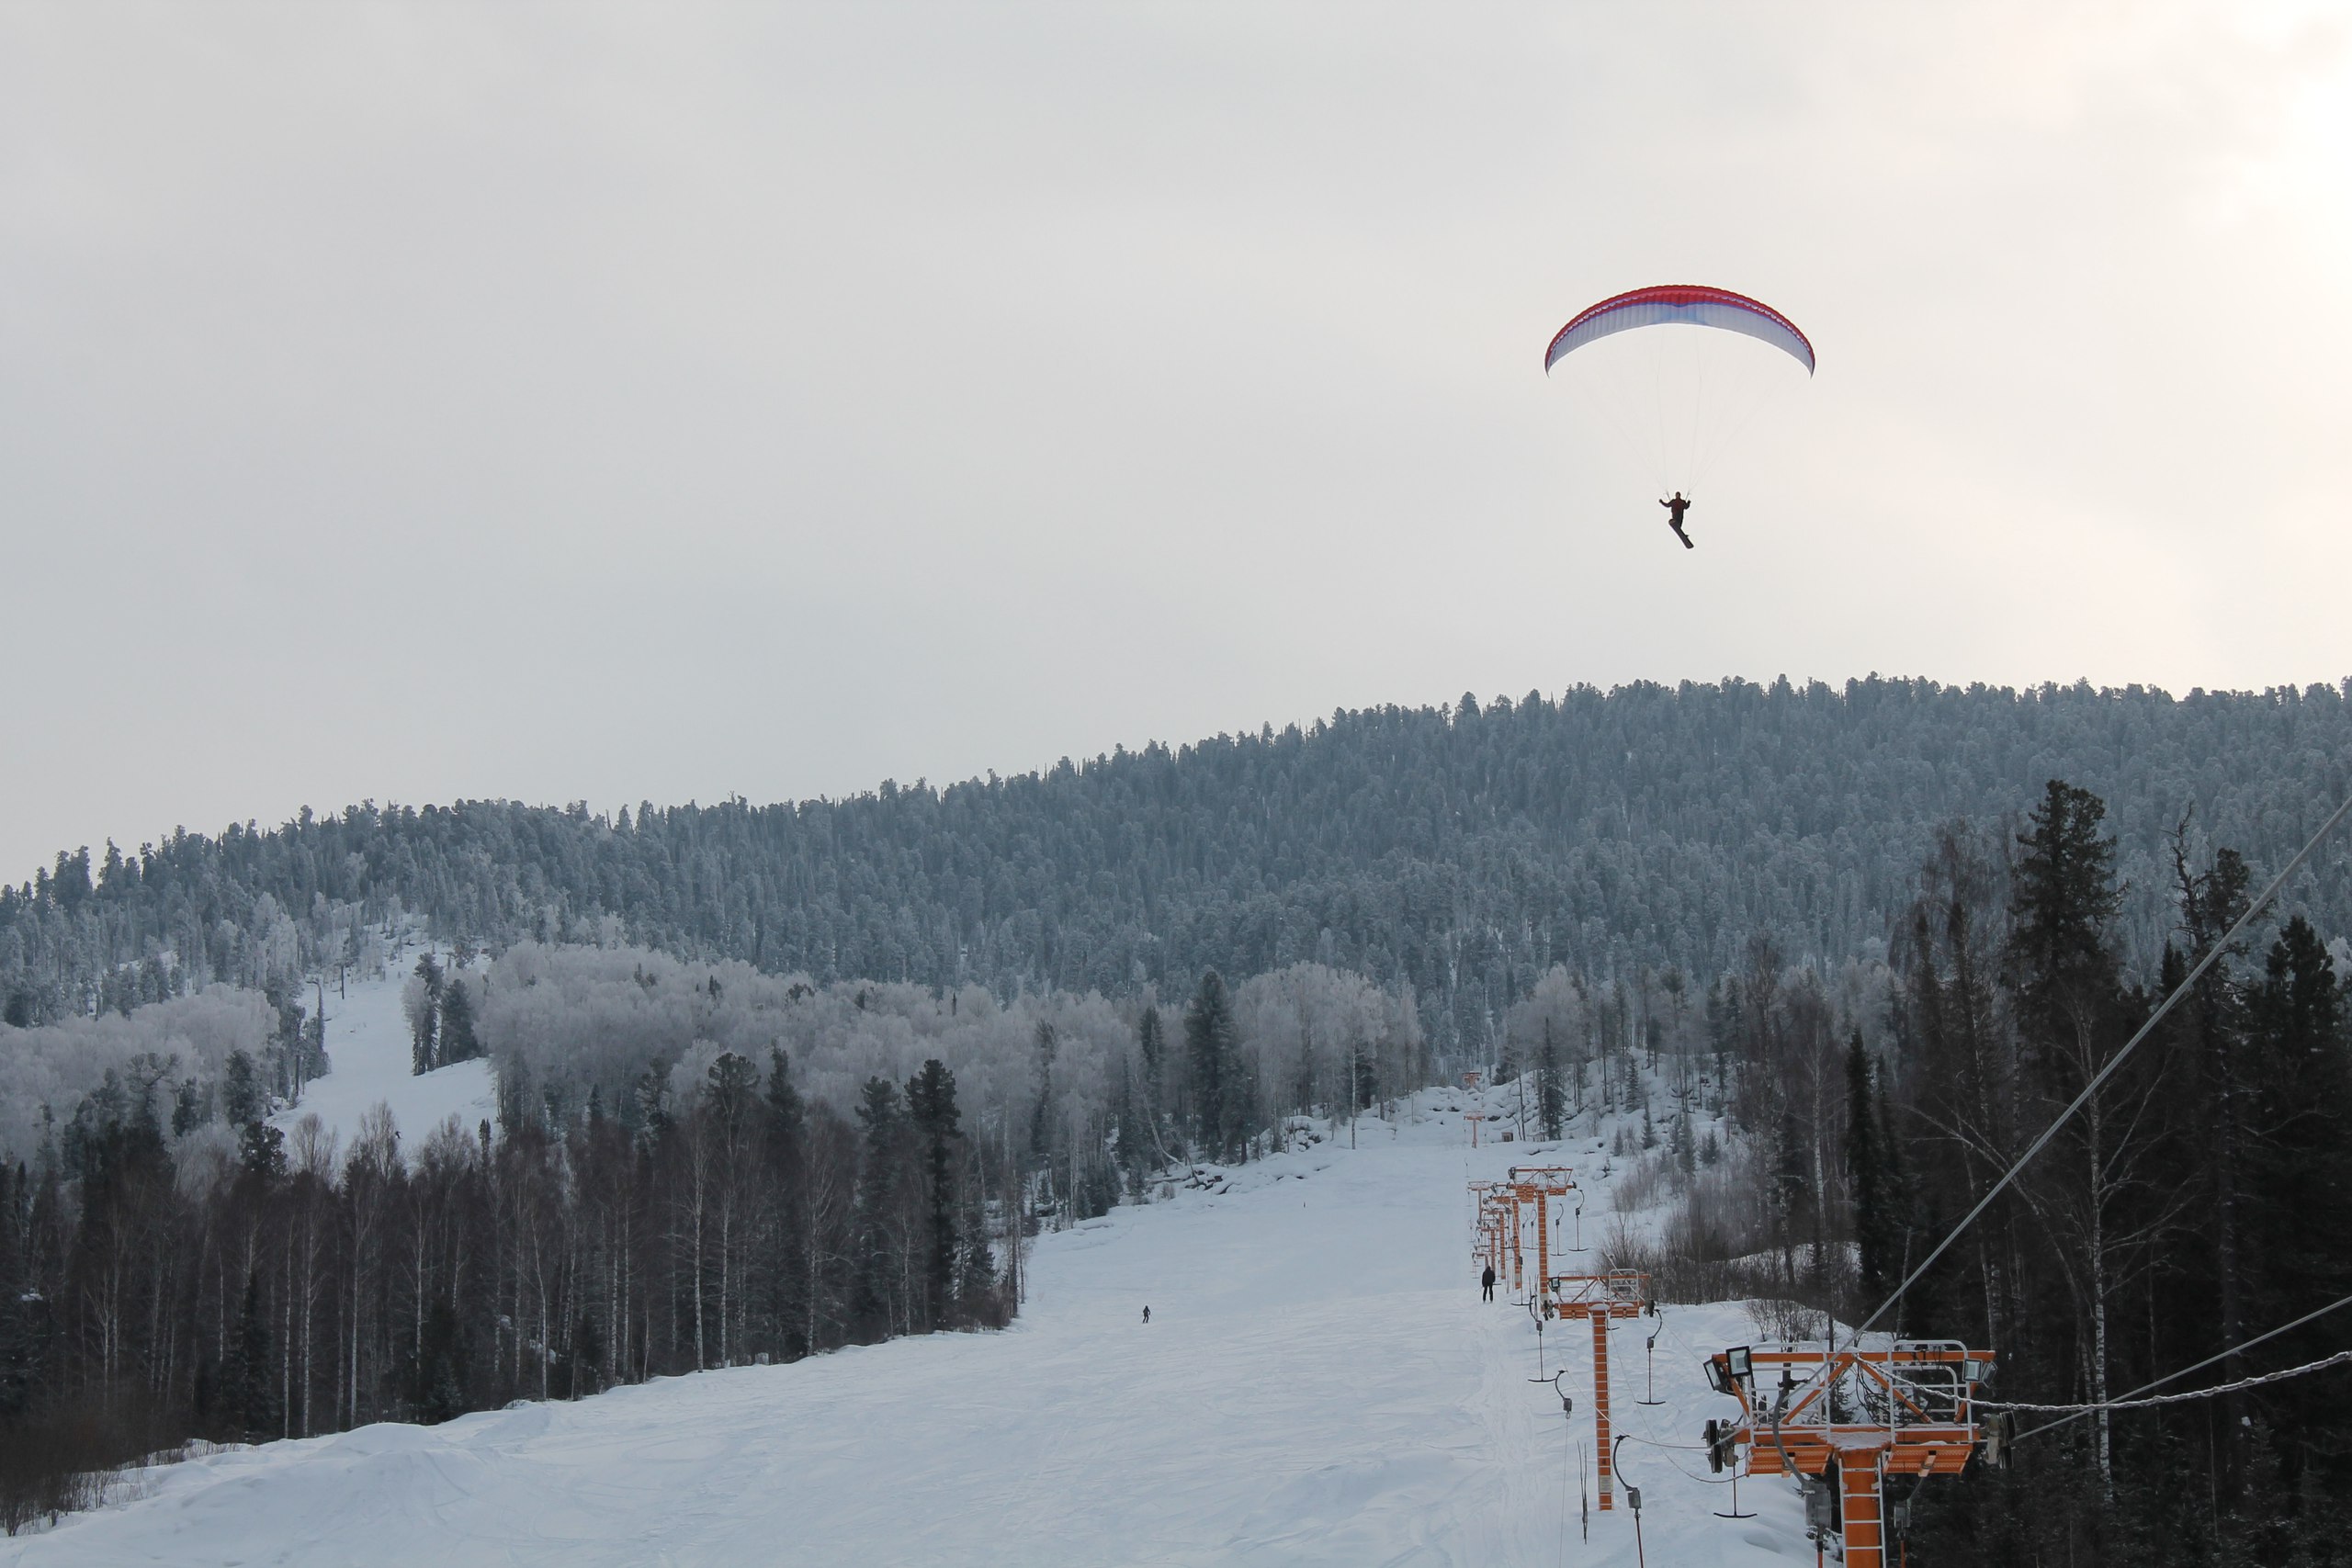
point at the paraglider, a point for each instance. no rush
(1670, 374)
(1683, 304)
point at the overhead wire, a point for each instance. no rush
(2342, 1358)
(2237, 1349)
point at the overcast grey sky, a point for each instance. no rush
(414, 402)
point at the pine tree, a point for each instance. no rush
(732, 1084)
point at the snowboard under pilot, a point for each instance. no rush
(1674, 510)
(1486, 1282)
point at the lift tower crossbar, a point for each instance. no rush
(1842, 1417)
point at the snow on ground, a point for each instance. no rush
(1320, 1383)
(369, 1056)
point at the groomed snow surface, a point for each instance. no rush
(1320, 1383)
(370, 1058)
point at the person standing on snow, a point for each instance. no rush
(1486, 1282)
(1147, 1314)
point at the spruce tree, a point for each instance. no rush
(441, 1366)
(880, 1180)
(456, 1042)
(2066, 994)
(241, 1096)
(2062, 964)
(930, 1107)
(247, 1394)
(2214, 1025)
(1213, 1042)
(1877, 1233)
(2298, 1192)
(1152, 1042)
(785, 1148)
(260, 1149)
(1042, 1108)
(1790, 1191)
(785, 1112)
(424, 1039)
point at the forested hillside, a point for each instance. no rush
(1460, 850)
(772, 1080)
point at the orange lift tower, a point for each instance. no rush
(1504, 1226)
(1538, 1185)
(1485, 1226)
(1474, 1114)
(1598, 1298)
(1493, 1226)
(1842, 1417)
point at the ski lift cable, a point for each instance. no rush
(2198, 1367)
(1677, 1447)
(2092, 1088)
(1676, 1464)
(2342, 1358)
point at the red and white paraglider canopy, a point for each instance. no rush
(1687, 303)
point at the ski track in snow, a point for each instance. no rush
(370, 1057)
(1319, 1384)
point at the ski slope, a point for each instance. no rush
(369, 1057)
(1320, 1383)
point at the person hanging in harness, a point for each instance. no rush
(1674, 510)
(1486, 1282)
